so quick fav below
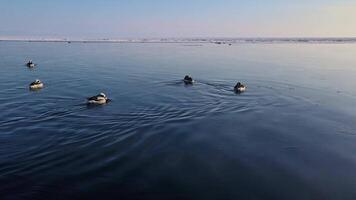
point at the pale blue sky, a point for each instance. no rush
(177, 18)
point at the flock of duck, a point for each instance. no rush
(101, 98)
(239, 87)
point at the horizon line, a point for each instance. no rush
(190, 40)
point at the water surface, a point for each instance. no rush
(290, 136)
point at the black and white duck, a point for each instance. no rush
(35, 85)
(99, 99)
(30, 64)
(188, 80)
(239, 87)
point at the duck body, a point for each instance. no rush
(37, 84)
(99, 99)
(188, 80)
(240, 87)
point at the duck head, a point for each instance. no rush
(102, 95)
(238, 84)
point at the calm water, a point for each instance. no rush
(292, 135)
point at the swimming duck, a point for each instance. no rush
(99, 99)
(37, 84)
(188, 80)
(30, 64)
(239, 87)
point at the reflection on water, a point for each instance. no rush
(291, 135)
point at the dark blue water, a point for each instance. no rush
(291, 135)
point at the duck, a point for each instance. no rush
(35, 85)
(99, 99)
(239, 87)
(30, 64)
(188, 80)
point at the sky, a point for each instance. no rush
(115, 19)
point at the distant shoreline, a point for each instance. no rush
(195, 40)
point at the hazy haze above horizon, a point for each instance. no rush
(174, 18)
